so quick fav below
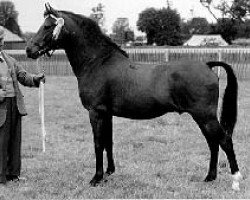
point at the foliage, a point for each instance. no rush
(234, 23)
(196, 25)
(147, 23)
(162, 26)
(231, 29)
(185, 32)
(227, 29)
(122, 33)
(8, 17)
(236, 9)
(98, 15)
(244, 29)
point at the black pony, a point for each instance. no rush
(110, 84)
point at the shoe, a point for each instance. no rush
(15, 178)
(2, 180)
(2, 183)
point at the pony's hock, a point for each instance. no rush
(109, 86)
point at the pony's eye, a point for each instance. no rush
(46, 27)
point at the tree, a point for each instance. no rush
(227, 29)
(185, 32)
(244, 29)
(236, 9)
(207, 4)
(234, 23)
(121, 31)
(98, 16)
(198, 25)
(147, 23)
(161, 26)
(8, 17)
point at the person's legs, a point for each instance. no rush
(3, 154)
(14, 147)
(4, 140)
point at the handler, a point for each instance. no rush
(12, 108)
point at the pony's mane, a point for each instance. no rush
(95, 34)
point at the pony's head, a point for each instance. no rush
(75, 33)
(49, 35)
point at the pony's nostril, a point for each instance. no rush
(28, 50)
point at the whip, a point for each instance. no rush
(41, 109)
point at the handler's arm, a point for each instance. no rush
(26, 78)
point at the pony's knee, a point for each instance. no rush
(226, 142)
(212, 126)
(214, 129)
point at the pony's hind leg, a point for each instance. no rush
(226, 144)
(212, 132)
(216, 136)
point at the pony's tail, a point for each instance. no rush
(230, 105)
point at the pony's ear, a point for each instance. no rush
(47, 7)
(50, 10)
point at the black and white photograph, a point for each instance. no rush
(135, 99)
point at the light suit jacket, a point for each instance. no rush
(18, 75)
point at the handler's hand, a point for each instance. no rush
(39, 78)
(2, 95)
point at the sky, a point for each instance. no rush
(31, 11)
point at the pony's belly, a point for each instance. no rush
(140, 111)
(139, 115)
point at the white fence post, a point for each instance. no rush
(167, 54)
(220, 59)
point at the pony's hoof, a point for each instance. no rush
(107, 174)
(96, 181)
(210, 178)
(110, 171)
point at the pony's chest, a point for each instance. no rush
(91, 93)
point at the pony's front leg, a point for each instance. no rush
(108, 146)
(97, 123)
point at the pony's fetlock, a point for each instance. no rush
(237, 177)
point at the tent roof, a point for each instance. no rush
(11, 37)
(206, 40)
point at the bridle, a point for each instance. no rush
(56, 32)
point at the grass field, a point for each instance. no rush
(166, 157)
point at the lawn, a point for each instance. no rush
(166, 157)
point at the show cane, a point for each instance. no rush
(41, 110)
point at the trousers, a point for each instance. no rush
(10, 141)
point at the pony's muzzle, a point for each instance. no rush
(32, 53)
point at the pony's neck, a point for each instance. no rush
(85, 44)
(79, 56)
(82, 53)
